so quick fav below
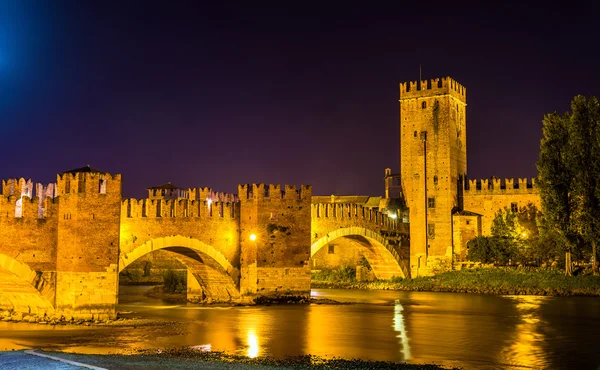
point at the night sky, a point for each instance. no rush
(218, 95)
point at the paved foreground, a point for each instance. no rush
(180, 359)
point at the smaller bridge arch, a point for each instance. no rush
(179, 241)
(24, 287)
(395, 266)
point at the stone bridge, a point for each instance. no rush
(61, 250)
(383, 241)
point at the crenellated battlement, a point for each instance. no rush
(17, 187)
(18, 196)
(271, 191)
(435, 86)
(498, 186)
(352, 211)
(178, 208)
(25, 187)
(88, 183)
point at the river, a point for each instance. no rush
(451, 329)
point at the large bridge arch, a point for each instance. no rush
(200, 272)
(23, 289)
(392, 264)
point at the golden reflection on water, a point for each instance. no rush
(401, 329)
(525, 348)
(252, 328)
(252, 344)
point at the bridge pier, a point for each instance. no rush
(275, 240)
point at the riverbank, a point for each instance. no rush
(500, 281)
(189, 358)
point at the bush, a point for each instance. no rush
(147, 268)
(342, 274)
(175, 281)
(396, 279)
(132, 274)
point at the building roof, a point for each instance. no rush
(466, 213)
(86, 169)
(167, 186)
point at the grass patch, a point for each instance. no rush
(344, 275)
(488, 281)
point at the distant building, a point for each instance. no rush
(167, 191)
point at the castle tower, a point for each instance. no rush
(433, 163)
(87, 251)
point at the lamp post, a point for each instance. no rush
(424, 139)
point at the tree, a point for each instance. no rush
(584, 135)
(518, 232)
(568, 176)
(481, 249)
(556, 180)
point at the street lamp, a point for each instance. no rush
(253, 237)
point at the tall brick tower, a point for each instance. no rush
(433, 164)
(89, 210)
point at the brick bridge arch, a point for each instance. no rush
(24, 288)
(203, 273)
(383, 258)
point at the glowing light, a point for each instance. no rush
(401, 329)
(252, 344)
(209, 201)
(393, 216)
(253, 237)
(202, 347)
(524, 235)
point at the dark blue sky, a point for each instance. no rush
(218, 95)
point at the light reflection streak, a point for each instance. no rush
(401, 329)
(526, 347)
(252, 344)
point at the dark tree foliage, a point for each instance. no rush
(490, 249)
(584, 134)
(514, 239)
(569, 177)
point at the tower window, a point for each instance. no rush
(435, 180)
(331, 249)
(431, 202)
(431, 231)
(415, 134)
(423, 105)
(102, 186)
(514, 207)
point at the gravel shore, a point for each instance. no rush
(187, 358)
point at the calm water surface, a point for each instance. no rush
(466, 330)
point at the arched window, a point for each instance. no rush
(19, 208)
